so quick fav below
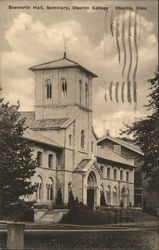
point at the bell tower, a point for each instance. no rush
(62, 86)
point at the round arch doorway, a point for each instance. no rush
(91, 189)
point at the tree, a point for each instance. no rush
(59, 201)
(102, 199)
(145, 133)
(16, 162)
(71, 201)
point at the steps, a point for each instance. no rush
(53, 215)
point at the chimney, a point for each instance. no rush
(108, 132)
(64, 54)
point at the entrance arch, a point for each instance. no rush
(91, 189)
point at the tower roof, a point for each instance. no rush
(61, 63)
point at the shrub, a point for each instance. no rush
(71, 201)
(59, 201)
(19, 211)
(102, 199)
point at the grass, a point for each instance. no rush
(137, 240)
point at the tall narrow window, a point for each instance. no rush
(92, 146)
(121, 175)
(39, 188)
(115, 174)
(39, 158)
(49, 89)
(127, 176)
(86, 94)
(49, 187)
(70, 139)
(82, 139)
(50, 161)
(108, 172)
(80, 91)
(64, 87)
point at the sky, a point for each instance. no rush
(31, 36)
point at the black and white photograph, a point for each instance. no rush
(79, 103)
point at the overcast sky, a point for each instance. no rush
(30, 37)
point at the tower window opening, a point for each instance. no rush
(86, 94)
(82, 139)
(49, 89)
(50, 160)
(64, 87)
(80, 91)
(70, 139)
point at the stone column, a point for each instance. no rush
(15, 237)
(85, 189)
(98, 195)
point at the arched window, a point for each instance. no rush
(70, 139)
(69, 188)
(49, 89)
(39, 187)
(115, 174)
(127, 176)
(86, 94)
(49, 187)
(64, 87)
(82, 139)
(80, 91)
(121, 175)
(50, 160)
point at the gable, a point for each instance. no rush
(127, 149)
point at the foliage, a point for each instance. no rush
(82, 215)
(16, 163)
(102, 199)
(59, 201)
(145, 133)
(18, 211)
(71, 201)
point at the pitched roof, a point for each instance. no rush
(82, 165)
(108, 154)
(128, 145)
(61, 63)
(45, 123)
(36, 136)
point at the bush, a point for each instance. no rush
(82, 215)
(102, 199)
(150, 210)
(71, 201)
(41, 206)
(19, 211)
(59, 201)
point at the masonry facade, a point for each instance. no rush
(70, 155)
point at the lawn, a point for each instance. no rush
(137, 240)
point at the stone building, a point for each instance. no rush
(70, 155)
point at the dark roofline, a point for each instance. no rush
(40, 142)
(116, 162)
(119, 141)
(76, 65)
